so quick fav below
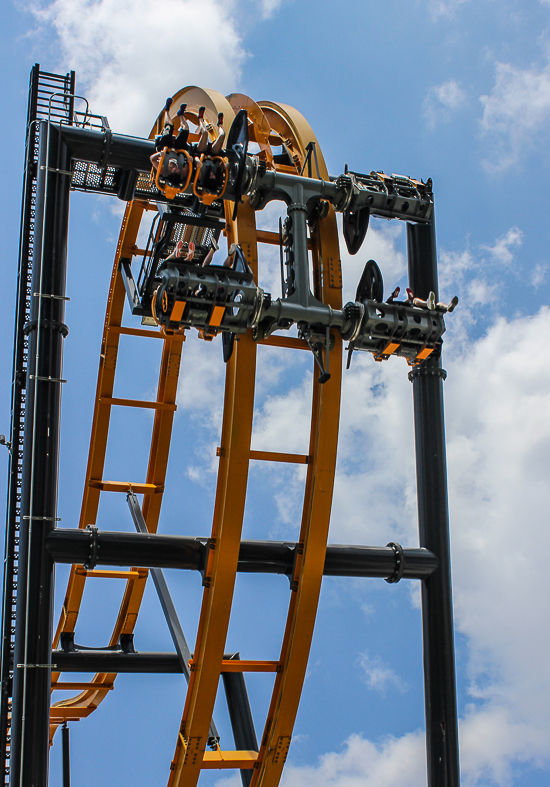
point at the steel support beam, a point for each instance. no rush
(108, 149)
(46, 330)
(90, 660)
(267, 557)
(433, 523)
(174, 625)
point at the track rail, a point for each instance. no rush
(271, 124)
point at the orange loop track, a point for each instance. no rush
(271, 124)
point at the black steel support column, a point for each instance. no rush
(240, 716)
(11, 548)
(433, 522)
(66, 753)
(46, 330)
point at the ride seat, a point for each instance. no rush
(165, 181)
(210, 178)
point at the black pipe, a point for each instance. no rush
(46, 329)
(66, 755)
(107, 149)
(115, 661)
(91, 660)
(126, 549)
(240, 716)
(269, 557)
(433, 523)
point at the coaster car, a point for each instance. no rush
(212, 299)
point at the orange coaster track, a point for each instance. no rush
(271, 124)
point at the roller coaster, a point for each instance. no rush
(167, 289)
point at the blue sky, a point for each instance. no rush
(449, 89)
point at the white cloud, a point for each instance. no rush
(444, 8)
(474, 275)
(379, 676)
(517, 108)
(269, 7)
(130, 54)
(375, 427)
(499, 459)
(441, 101)
(538, 274)
(391, 763)
(283, 421)
(501, 250)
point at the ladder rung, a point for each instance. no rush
(264, 236)
(106, 574)
(229, 759)
(285, 341)
(81, 686)
(127, 486)
(138, 403)
(232, 665)
(136, 332)
(274, 456)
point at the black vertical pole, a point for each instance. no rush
(66, 756)
(46, 330)
(240, 716)
(433, 523)
(13, 513)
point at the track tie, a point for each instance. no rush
(135, 332)
(234, 665)
(285, 341)
(229, 759)
(272, 238)
(126, 486)
(105, 400)
(106, 574)
(275, 456)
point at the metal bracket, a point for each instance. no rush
(311, 148)
(399, 562)
(56, 169)
(427, 371)
(46, 379)
(55, 325)
(91, 563)
(48, 295)
(34, 666)
(107, 138)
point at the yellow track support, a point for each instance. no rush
(271, 124)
